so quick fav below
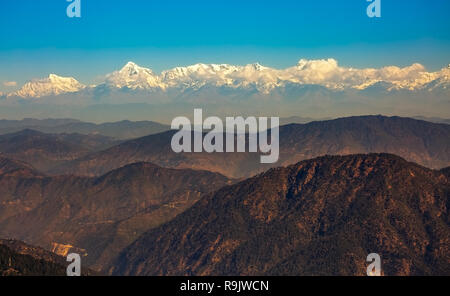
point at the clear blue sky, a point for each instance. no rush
(38, 38)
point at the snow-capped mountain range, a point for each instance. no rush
(265, 80)
(52, 85)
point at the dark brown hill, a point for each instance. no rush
(318, 217)
(97, 216)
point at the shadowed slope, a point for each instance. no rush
(318, 217)
(98, 216)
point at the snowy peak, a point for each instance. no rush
(195, 76)
(52, 85)
(132, 69)
(134, 77)
(256, 67)
(198, 71)
(442, 80)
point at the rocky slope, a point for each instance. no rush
(317, 217)
(99, 216)
(20, 259)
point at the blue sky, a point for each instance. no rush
(38, 38)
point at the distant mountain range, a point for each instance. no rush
(46, 151)
(422, 142)
(433, 119)
(254, 77)
(319, 88)
(118, 130)
(318, 217)
(95, 217)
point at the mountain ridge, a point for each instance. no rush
(98, 216)
(419, 141)
(44, 151)
(317, 217)
(120, 130)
